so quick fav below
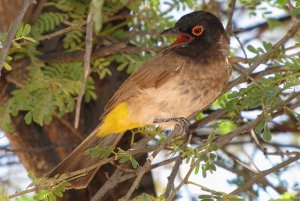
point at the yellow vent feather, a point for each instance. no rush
(117, 121)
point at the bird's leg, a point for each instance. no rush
(182, 122)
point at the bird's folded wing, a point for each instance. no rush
(153, 73)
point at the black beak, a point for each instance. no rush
(171, 31)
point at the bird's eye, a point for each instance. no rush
(197, 30)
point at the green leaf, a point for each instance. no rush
(200, 116)
(197, 169)
(51, 197)
(212, 156)
(267, 136)
(211, 137)
(124, 159)
(203, 156)
(134, 163)
(8, 58)
(204, 174)
(31, 175)
(282, 2)
(259, 127)
(26, 30)
(213, 147)
(28, 118)
(29, 39)
(58, 192)
(267, 45)
(226, 127)
(20, 30)
(16, 45)
(122, 66)
(252, 49)
(7, 66)
(204, 196)
(295, 12)
(41, 195)
(209, 199)
(298, 121)
(98, 21)
(231, 197)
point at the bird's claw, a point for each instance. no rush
(181, 122)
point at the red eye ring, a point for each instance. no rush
(197, 30)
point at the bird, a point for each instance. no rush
(180, 80)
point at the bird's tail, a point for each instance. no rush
(78, 160)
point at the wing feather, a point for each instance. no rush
(153, 73)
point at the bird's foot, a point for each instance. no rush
(182, 122)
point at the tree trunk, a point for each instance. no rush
(41, 148)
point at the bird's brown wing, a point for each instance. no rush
(152, 73)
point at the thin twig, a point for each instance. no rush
(172, 176)
(282, 153)
(264, 173)
(37, 11)
(111, 182)
(283, 40)
(222, 141)
(87, 61)
(147, 165)
(37, 149)
(252, 161)
(241, 45)
(60, 32)
(175, 168)
(246, 166)
(12, 32)
(82, 172)
(230, 16)
(70, 127)
(264, 57)
(243, 173)
(185, 179)
(103, 52)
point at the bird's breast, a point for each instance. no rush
(188, 91)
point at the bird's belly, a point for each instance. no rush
(176, 98)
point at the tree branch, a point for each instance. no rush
(230, 16)
(137, 148)
(13, 30)
(147, 165)
(175, 168)
(87, 61)
(264, 173)
(262, 58)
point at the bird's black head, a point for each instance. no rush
(198, 32)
